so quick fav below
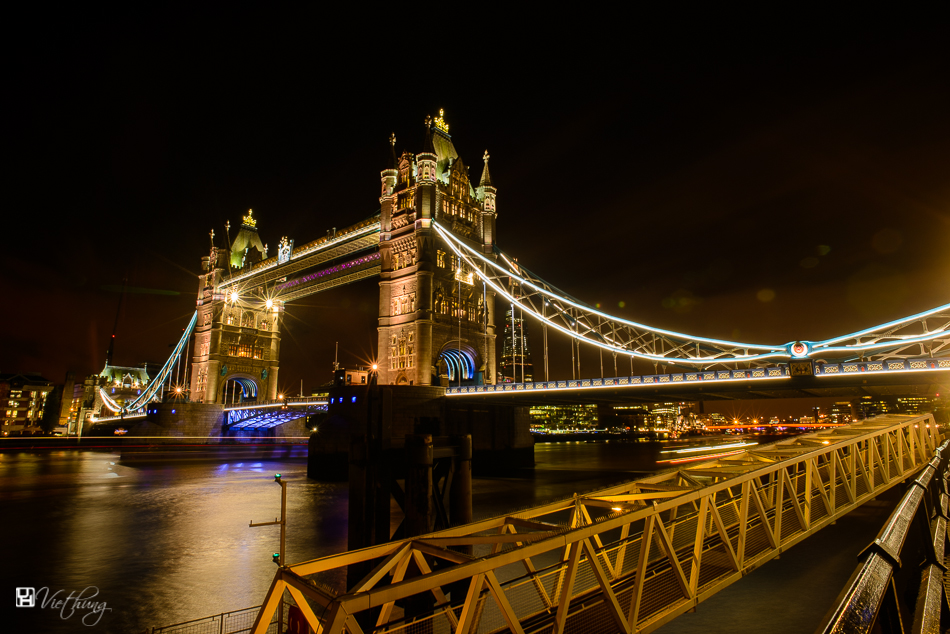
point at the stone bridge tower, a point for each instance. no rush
(436, 319)
(237, 339)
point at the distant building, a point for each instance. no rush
(516, 364)
(633, 417)
(664, 415)
(123, 384)
(22, 398)
(564, 416)
(869, 406)
(841, 412)
(915, 404)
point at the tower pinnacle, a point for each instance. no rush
(486, 177)
(440, 121)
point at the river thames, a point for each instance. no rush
(164, 537)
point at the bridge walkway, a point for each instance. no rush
(629, 557)
(796, 591)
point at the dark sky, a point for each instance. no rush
(764, 185)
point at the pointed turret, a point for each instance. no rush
(388, 182)
(428, 147)
(486, 194)
(393, 163)
(486, 177)
(426, 165)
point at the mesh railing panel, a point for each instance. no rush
(236, 622)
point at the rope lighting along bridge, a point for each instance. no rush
(633, 555)
(433, 247)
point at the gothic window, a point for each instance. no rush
(247, 319)
(263, 324)
(245, 350)
(230, 318)
(440, 258)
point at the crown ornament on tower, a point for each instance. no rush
(248, 220)
(440, 122)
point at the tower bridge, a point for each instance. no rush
(432, 245)
(634, 555)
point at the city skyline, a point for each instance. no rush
(795, 194)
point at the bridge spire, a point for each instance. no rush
(392, 150)
(428, 146)
(486, 177)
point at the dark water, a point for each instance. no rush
(165, 538)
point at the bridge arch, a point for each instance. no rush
(458, 363)
(239, 388)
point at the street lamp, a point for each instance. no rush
(279, 556)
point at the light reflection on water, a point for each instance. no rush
(165, 536)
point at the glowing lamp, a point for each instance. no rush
(375, 367)
(234, 297)
(270, 303)
(280, 397)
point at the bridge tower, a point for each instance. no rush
(436, 320)
(237, 338)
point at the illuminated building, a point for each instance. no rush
(22, 397)
(516, 355)
(121, 383)
(869, 406)
(564, 416)
(436, 323)
(631, 416)
(841, 412)
(664, 415)
(914, 404)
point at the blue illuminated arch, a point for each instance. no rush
(459, 363)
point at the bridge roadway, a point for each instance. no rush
(844, 380)
(627, 558)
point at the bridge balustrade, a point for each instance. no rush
(626, 558)
(872, 591)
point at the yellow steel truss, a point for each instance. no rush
(627, 558)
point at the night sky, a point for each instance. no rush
(784, 185)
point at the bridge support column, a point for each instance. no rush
(420, 510)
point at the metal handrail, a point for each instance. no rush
(872, 590)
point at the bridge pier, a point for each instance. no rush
(377, 436)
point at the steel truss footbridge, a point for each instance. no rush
(918, 343)
(627, 558)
